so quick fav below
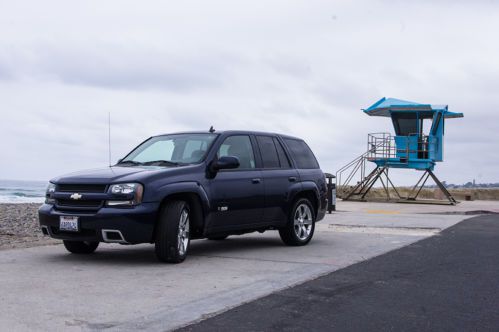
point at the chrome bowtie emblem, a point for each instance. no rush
(75, 196)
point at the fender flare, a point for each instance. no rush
(187, 187)
(308, 186)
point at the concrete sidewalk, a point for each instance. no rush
(125, 288)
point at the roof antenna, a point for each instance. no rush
(212, 130)
(109, 136)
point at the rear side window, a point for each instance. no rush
(301, 153)
(283, 159)
(269, 153)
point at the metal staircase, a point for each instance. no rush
(351, 178)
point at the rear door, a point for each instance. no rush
(278, 176)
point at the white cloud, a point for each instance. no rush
(304, 68)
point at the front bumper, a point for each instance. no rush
(135, 224)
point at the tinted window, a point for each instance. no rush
(405, 123)
(240, 147)
(301, 153)
(269, 152)
(283, 159)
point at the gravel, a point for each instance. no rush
(19, 227)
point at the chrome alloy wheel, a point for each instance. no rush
(303, 221)
(183, 232)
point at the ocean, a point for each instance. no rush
(14, 191)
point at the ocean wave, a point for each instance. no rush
(19, 189)
(20, 199)
(12, 191)
(22, 194)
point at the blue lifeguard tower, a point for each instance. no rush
(417, 144)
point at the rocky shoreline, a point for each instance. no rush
(19, 227)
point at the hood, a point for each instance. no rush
(111, 174)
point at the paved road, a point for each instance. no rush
(443, 283)
(124, 288)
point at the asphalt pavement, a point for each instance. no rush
(448, 282)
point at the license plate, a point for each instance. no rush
(68, 223)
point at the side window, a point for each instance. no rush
(239, 146)
(269, 152)
(301, 153)
(283, 159)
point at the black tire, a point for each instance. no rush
(80, 247)
(168, 248)
(299, 233)
(218, 238)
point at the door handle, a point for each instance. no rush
(256, 180)
(292, 179)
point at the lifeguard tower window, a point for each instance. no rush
(405, 123)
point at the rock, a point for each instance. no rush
(19, 227)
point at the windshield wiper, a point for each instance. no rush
(161, 163)
(129, 162)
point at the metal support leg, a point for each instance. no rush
(422, 185)
(385, 187)
(394, 188)
(447, 194)
(409, 197)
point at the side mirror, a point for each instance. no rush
(227, 162)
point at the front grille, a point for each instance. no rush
(79, 203)
(91, 197)
(82, 188)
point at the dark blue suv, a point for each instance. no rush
(178, 187)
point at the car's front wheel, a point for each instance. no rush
(301, 224)
(80, 247)
(172, 236)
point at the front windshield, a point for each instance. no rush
(171, 150)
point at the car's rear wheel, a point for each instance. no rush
(301, 224)
(80, 247)
(172, 236)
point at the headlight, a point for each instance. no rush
(48, 194)
(124, 188)
(132, 193)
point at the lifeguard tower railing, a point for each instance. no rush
(385, 147)
(384, 150)
(381, 146)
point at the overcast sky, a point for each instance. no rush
(303, 68)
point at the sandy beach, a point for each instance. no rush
(19, 227)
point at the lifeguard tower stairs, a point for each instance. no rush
(417, 145)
